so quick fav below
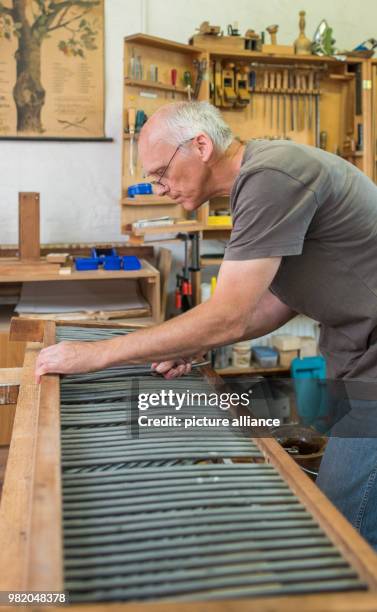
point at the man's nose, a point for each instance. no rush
(160, 189)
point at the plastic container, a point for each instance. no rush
(241, 354)
(87, 263)
(131, 262)
(139, 189)
(265, 356)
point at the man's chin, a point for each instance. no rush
(191, 204)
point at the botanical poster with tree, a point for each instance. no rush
(51, 68)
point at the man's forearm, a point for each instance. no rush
(206, 326)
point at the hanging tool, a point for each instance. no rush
(291, 97)
(187, 80)
(153, 73)
(252, 85)
(278, 95)
(265, 93)
(285, 89)
(304, 99)
(201, 67)
(218, 84)
(242, 91)
(228, 79)
(131, 130)
(311, 88)
(173, 78)
(297, 96)
(272, 88)
(317, 111)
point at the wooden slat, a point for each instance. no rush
(17, 495)
(46, 549)
(337, 602)
(28, 228)
(354, 548)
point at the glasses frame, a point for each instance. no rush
(158, 181)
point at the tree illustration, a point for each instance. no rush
(32, 21)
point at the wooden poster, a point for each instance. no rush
(51, 68)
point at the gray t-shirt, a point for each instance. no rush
(319, 213)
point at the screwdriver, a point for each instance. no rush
(131, 129)
(187, 79)
(173, 76)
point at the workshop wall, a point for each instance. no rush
(80, 182)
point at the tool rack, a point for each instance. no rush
(31, 509)
(261, 95)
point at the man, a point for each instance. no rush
(304, 240)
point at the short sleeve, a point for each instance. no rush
(271, 215)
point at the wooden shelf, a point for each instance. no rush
(154, 85)
(273, 57)
(162, 43)
(148, 200)
(13, 271)
(251, 370)
(167, 229)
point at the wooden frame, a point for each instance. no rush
(30, 510)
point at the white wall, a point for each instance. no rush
(80, 183)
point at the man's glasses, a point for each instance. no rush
(158, 181)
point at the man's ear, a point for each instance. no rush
(204, 146)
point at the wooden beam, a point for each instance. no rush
(27, 330)
(28, 226)
(46, 541)
(30, 509)
(330, 602)
(17, 494)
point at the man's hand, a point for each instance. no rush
(172, 369)
(68, 358)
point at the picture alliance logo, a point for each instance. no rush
(176, 400)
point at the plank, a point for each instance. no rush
(337, 602)
(46, 548)
(28, 226)
(16, 500)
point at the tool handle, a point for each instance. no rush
(131, 120)
(285, 79)
(311, 81)
(178, 299)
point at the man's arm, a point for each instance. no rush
(269, 315)
(230, 315)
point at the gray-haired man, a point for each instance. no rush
(304, 240)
